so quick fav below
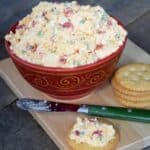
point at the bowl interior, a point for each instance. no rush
(59, 69)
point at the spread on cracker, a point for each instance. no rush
(91, 133)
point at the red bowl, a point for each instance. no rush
(67, 83)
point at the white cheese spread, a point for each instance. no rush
(92, 132)
(66, 35)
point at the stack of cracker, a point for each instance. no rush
(131, 85)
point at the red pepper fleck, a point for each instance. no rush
(98, 47)
(34, 48)
(97, 132)
(20, 26)
(109, 23)
(68, 12)
(63, 59)
(67, 25)
(33, 23)
(77, 132)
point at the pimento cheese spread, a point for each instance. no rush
(92, 132)
(66, 35)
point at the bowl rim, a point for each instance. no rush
(61, 69)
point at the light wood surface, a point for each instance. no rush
(133, 135)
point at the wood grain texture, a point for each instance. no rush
(56, 125)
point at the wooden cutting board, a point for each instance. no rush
(133, 135)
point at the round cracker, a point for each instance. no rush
(124, 90)
(134, 77)
(128, 103)
(112, 144)
(132, 98)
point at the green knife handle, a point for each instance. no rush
(133, 114)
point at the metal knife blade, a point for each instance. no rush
(44, 106)
(132, 114)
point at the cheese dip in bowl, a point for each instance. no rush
(66, 41)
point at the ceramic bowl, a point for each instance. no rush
(67, 83)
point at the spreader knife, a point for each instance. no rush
(132, 114)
